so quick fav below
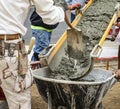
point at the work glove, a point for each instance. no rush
(74, 6)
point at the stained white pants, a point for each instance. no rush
(15, 88)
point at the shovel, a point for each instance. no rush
(74, 40)
(74, 49)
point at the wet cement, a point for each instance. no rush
(93, 25)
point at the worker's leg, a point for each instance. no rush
(72, 17)
(42, 40)
(15, 87)
(20, 100)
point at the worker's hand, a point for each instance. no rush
(74, 6)
(117, 74)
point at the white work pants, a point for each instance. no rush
(15, 88)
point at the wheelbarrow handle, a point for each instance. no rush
(31, 44)
(43, 54)
(96, 51)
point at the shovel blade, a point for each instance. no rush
(82, 73)
(74, 43)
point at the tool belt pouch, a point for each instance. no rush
(22, 84)
(22, 59)
(2, 50)
(24, 79)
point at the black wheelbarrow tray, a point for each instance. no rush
(65, 94)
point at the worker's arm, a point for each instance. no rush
(50, 13)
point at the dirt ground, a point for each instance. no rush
(37, 101)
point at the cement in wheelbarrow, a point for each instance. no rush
(65, 94)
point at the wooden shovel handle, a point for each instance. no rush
(67, 21)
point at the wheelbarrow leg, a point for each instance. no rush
(119, 57)
(73, 102)
(49, 99)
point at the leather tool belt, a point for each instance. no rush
(5, 44)
(8, 46)
(9, 36)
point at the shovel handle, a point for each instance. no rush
(32, 41)
(67, 21)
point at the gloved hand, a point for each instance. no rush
(117, 74)
(74, 6)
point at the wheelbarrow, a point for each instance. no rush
(64, 94)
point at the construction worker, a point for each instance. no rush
(15, 76)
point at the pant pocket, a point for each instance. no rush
(22, 84)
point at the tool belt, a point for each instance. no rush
(9, 36)
(9, 44)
